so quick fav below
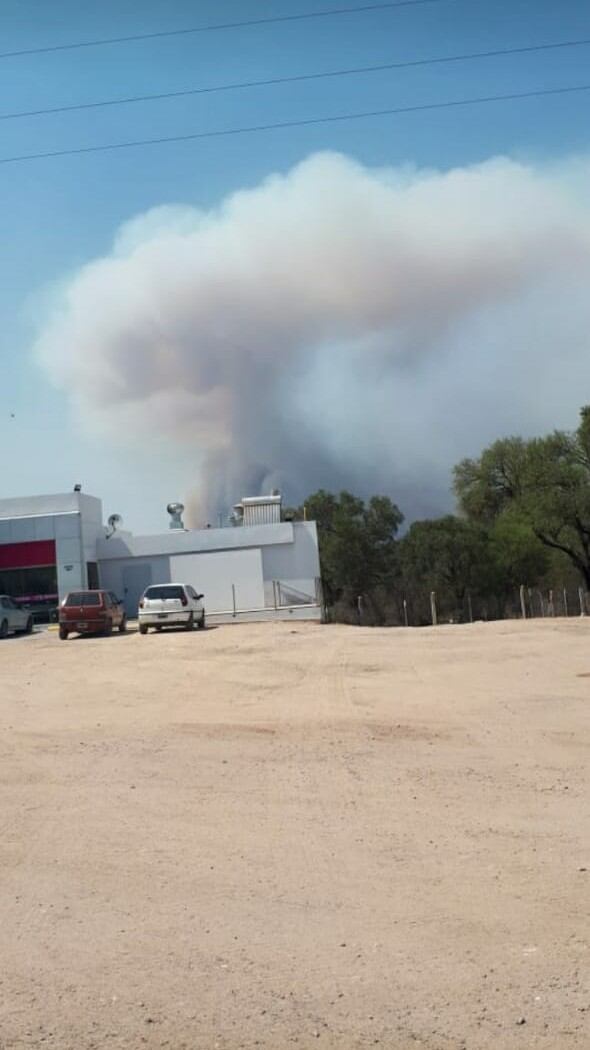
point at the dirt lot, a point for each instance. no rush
(291, 835)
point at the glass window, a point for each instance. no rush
(163, 592)
(30, 585)
(83, 598)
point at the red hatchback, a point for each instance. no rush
(91, 612)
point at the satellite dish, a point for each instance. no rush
(113, 521)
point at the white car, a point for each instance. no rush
(171, 605)
(13, 618)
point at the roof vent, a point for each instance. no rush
(175, 511)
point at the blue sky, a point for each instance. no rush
(58, 213)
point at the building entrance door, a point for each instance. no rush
(135, 580)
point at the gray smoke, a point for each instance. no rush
(338, 325)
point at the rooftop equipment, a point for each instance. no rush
(175, 511)
(258, 510)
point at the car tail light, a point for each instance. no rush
(184, 599)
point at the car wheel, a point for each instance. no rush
(4, 629)
(202, 623)
(143, 628)
(108, 628)
(158, 627)
(63, 633)
(123, 625)
(190, 623)
(29, 627)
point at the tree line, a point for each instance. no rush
(523, 518)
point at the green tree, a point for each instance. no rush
(487, 486)
(357, 543)
(447, 555)
(545, 482)
(516, 554)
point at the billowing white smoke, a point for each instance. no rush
(338, 325)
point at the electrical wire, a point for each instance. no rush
(273, 81)
(226, 132)
(217, 26)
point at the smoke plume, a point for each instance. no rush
(338, 326)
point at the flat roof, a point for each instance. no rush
(38, 506)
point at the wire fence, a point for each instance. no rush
(420, 608)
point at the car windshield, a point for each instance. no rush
(161, 593)
(83, 598)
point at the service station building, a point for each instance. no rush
(261, 567)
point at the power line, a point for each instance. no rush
(216, 26)
(226, 132)
(272, 81)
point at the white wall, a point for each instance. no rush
(93, 529)
(295, 564)
(22, 530)
(213, 575)
(71, 570)
(192, 541)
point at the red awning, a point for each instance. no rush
(33, 555)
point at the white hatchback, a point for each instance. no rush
(171, 605)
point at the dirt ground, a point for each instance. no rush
(276, 835)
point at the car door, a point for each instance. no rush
(117, 609)
(20, 616)
(196, 604)
(11, 612)
(6, 613)
(190, 592)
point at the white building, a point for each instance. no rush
(50, 545)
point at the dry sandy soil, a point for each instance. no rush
(284, 835)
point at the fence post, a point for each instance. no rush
(406, 613)
(565, 609)
(233, 596)
(433, 608)
(469, 606)
(359, 607)
(551, 607)
(320, 598)
(582, 604)
(274, 592)
(522, 601)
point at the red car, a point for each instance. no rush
(91, 612)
